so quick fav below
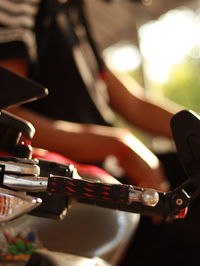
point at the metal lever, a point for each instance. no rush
(26, 183)
(64, 180)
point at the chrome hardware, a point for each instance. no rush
(148, 197)
(26, 183)
(20, 168)
(14, 204)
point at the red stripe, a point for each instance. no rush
(53, 189)
(71, 183)
(88, 195)
(106, 188)
(105, 193)
(89, 189)
(70, 189)
(106, 198)
(90, 185)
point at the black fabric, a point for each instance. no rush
(164, 244)
(68, 97)
(167, 244)
(16, 50)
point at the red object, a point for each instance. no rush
(182, 213)
(83, 169)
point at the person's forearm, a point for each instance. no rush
(132, 104)
(74, 140)
(153, 119)
(17, 65)
(83, 143)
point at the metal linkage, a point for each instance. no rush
(52, 178)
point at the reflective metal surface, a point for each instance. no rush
(26, 183)
(20, 168)
(13, 204)
(89, 231)
(148, 197)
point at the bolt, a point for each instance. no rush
(179, 202)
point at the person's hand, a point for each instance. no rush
(141, 166)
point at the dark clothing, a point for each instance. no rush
(167, 243)
(65, 60)
(73, 83)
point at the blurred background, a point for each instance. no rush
(156, 42)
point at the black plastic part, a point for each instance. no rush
(16, 123)
(8, 138)
(163, 209)
(23, 151)
(16, 90)
(53, 206)
(185, 127)
(12, 129)
(48, 168)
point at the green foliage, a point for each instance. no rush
(183, 85)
